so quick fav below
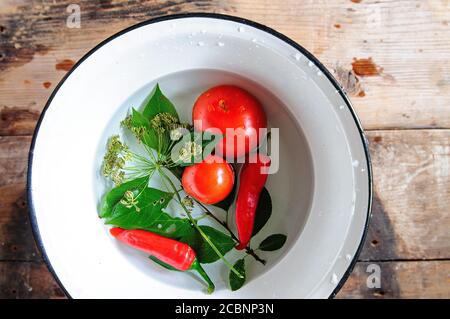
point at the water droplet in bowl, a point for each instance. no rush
(319, 73)
(341, 107)
(334, 279)
(355, 163)
(310, 64)
(363, 170)
(297, 56)
(241, 29)
(220, 44)
(200, 43)
(348, 257)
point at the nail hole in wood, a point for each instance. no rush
(374, 242)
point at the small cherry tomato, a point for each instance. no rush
(228, 106)
(209, 181)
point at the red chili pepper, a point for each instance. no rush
(174, 253)
(253, 176)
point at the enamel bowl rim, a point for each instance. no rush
(310, 56)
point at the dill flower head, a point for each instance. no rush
(117, 154)
(162, 122)
(126, 122)
(138, 131)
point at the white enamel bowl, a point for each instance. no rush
(321, 193)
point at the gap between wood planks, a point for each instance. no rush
(406, 129)
(388, 260)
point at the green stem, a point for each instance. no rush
(248, 250)
(251, 252)
(141, 159)
(197, 267)
(159, 146)
(194, 223)
(201, 217)
(169, 147)
(150, 153)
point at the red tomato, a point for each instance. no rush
(228, 106)
(209, 181)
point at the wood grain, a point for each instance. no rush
(407, 40)
(27, 280)
(411, 207)
(410, 279)
(398, 280)
(16, 239)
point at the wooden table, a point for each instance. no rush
(393, 57)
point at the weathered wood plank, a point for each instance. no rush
(13, 159)
(406, 40)
(411, 195)
(412, 279)
(27, 280)
(427, 279)
(16, 238)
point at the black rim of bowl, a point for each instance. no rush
(310, 56)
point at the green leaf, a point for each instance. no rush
(236, 282)
(137, 119)
(226, 203)
(273, 242)
(116, 194)
(205, 254)
(205, 143)
(263, 211)
(156, 103)
(151, 203)
(162, 263)
(149, 137)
